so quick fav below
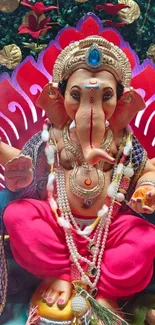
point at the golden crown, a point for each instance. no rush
(92, 53)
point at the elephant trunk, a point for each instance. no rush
(90, 128)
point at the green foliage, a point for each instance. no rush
(100, 313)
(138, 307)
(70, 12)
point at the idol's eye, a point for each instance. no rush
(107, 95)
(75, 95)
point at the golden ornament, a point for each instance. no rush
(8, 5)
(129, 15)
(34, 46)
(151, 53)
(10, 56)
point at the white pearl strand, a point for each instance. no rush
(66, 214)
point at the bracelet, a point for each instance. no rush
(146, 182)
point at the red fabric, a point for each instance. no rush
(39, 245)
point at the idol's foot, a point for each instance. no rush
(150, 317)
(56, 291)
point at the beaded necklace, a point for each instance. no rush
(90, 272)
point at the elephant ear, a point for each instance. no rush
(52, 102)
(127, 107)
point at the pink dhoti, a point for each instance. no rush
(38, 245)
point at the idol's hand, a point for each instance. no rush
(18, 173)
(143, 199)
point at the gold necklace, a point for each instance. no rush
(74, 151)
(87, 194)
(75, 154)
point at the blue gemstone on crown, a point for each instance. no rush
(94, 56)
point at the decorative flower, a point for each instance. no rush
(110, 23)
(38, 7)
(112, 9)
(34, 26)
(130, 14)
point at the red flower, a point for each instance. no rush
(110, 23)
(32, 26)
(112, 9)
(38, 7)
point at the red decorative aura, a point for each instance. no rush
(20, 118)
(38, 7)
(34, 27)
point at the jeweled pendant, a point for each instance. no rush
(88, 181)
(92, 271)
(94, 56)
(87, 203)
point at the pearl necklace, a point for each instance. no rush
(67, 220)
(99, 237)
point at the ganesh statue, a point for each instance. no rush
(81, 186)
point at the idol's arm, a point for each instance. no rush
(148, 172)
(143, 199)
(7, 153)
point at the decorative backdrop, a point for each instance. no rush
(136, 24)
(31, 42)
